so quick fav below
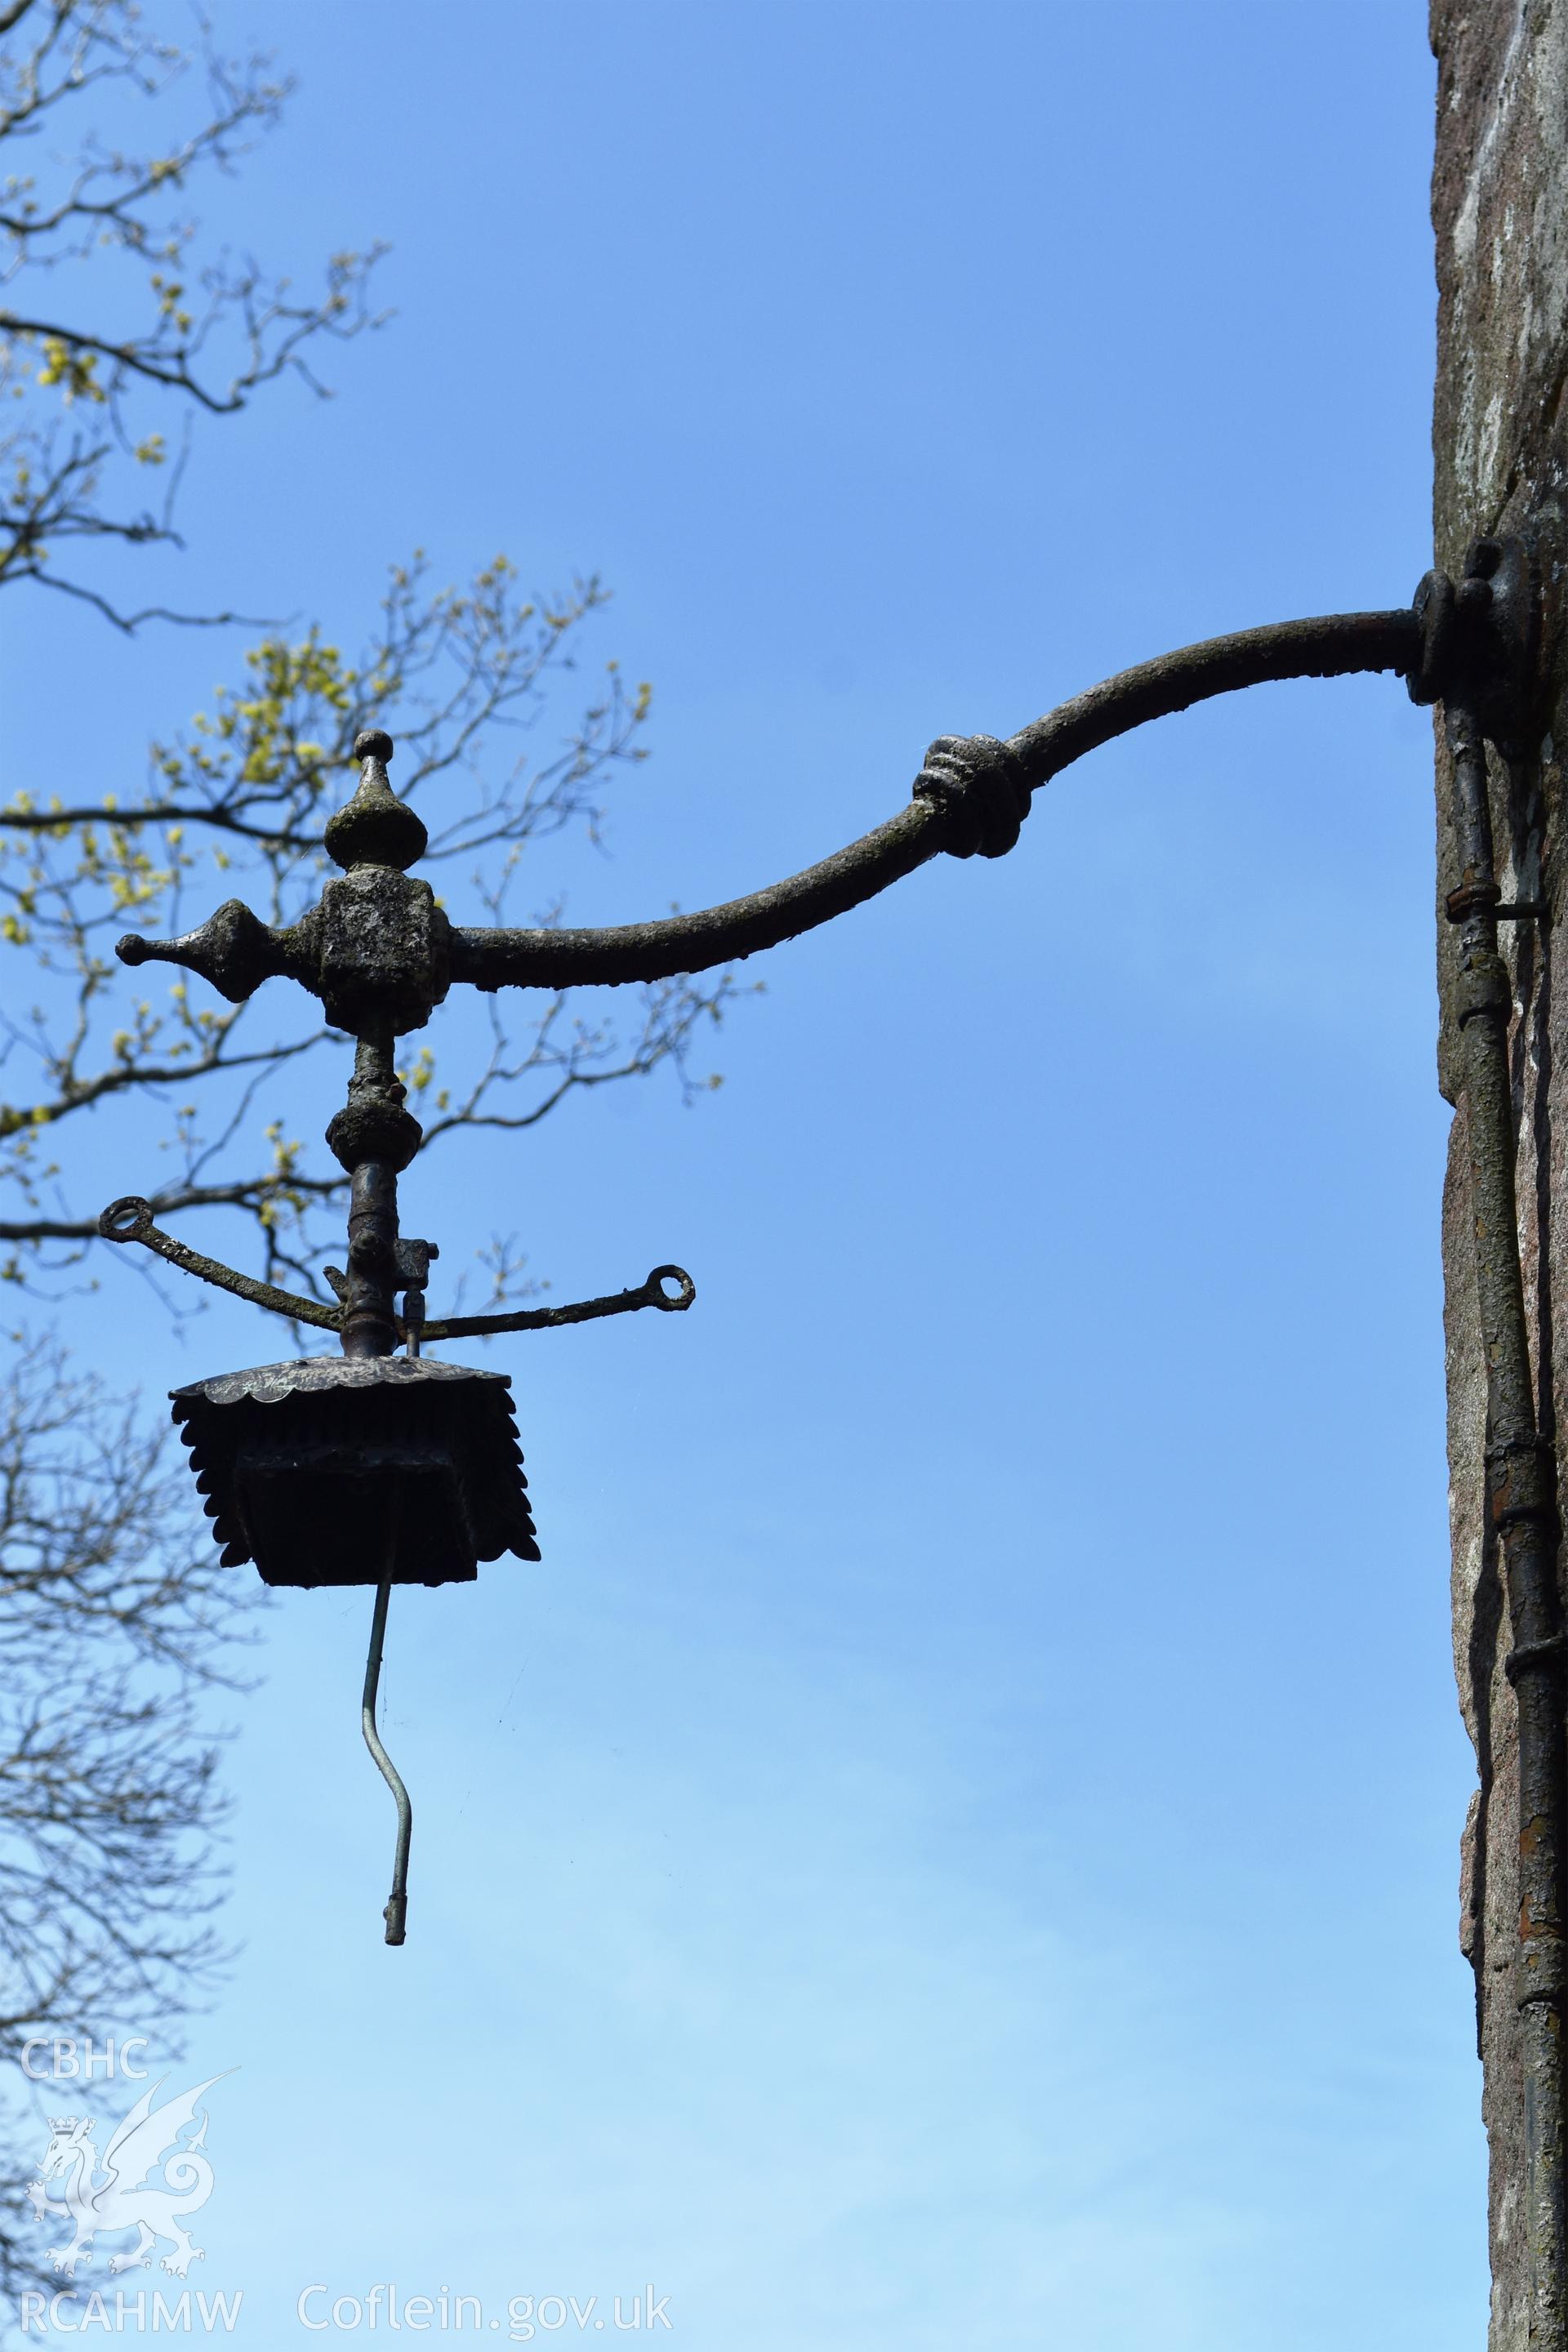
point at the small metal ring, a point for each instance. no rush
(659, 1296)
(126, 1220)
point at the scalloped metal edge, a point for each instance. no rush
(267, 1384)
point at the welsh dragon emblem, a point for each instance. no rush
(118, 2192)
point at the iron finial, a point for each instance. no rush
(376, 828)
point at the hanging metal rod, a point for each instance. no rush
(397, 1911)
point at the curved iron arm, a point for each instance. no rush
(651, 1293)
(1335, 646)
(129, 1219)
(969, 799)
(567, 959)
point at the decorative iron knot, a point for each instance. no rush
(982, 787)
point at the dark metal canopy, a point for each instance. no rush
(358, 1470)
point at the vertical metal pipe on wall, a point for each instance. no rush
(1521, 1486)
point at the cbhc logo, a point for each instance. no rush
(78, 2061)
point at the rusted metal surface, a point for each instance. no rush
(129, 1219)
(358, 1470)
(972, 796)
(651, 1293)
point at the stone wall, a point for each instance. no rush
(1500, 210)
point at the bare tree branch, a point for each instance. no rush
(115, 1619)
(244, 793)
(164, 328)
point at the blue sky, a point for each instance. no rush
(956, 1844)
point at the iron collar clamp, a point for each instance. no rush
(1477, 641)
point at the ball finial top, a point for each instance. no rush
(373, 743)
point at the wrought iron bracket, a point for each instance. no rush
(380, 955)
